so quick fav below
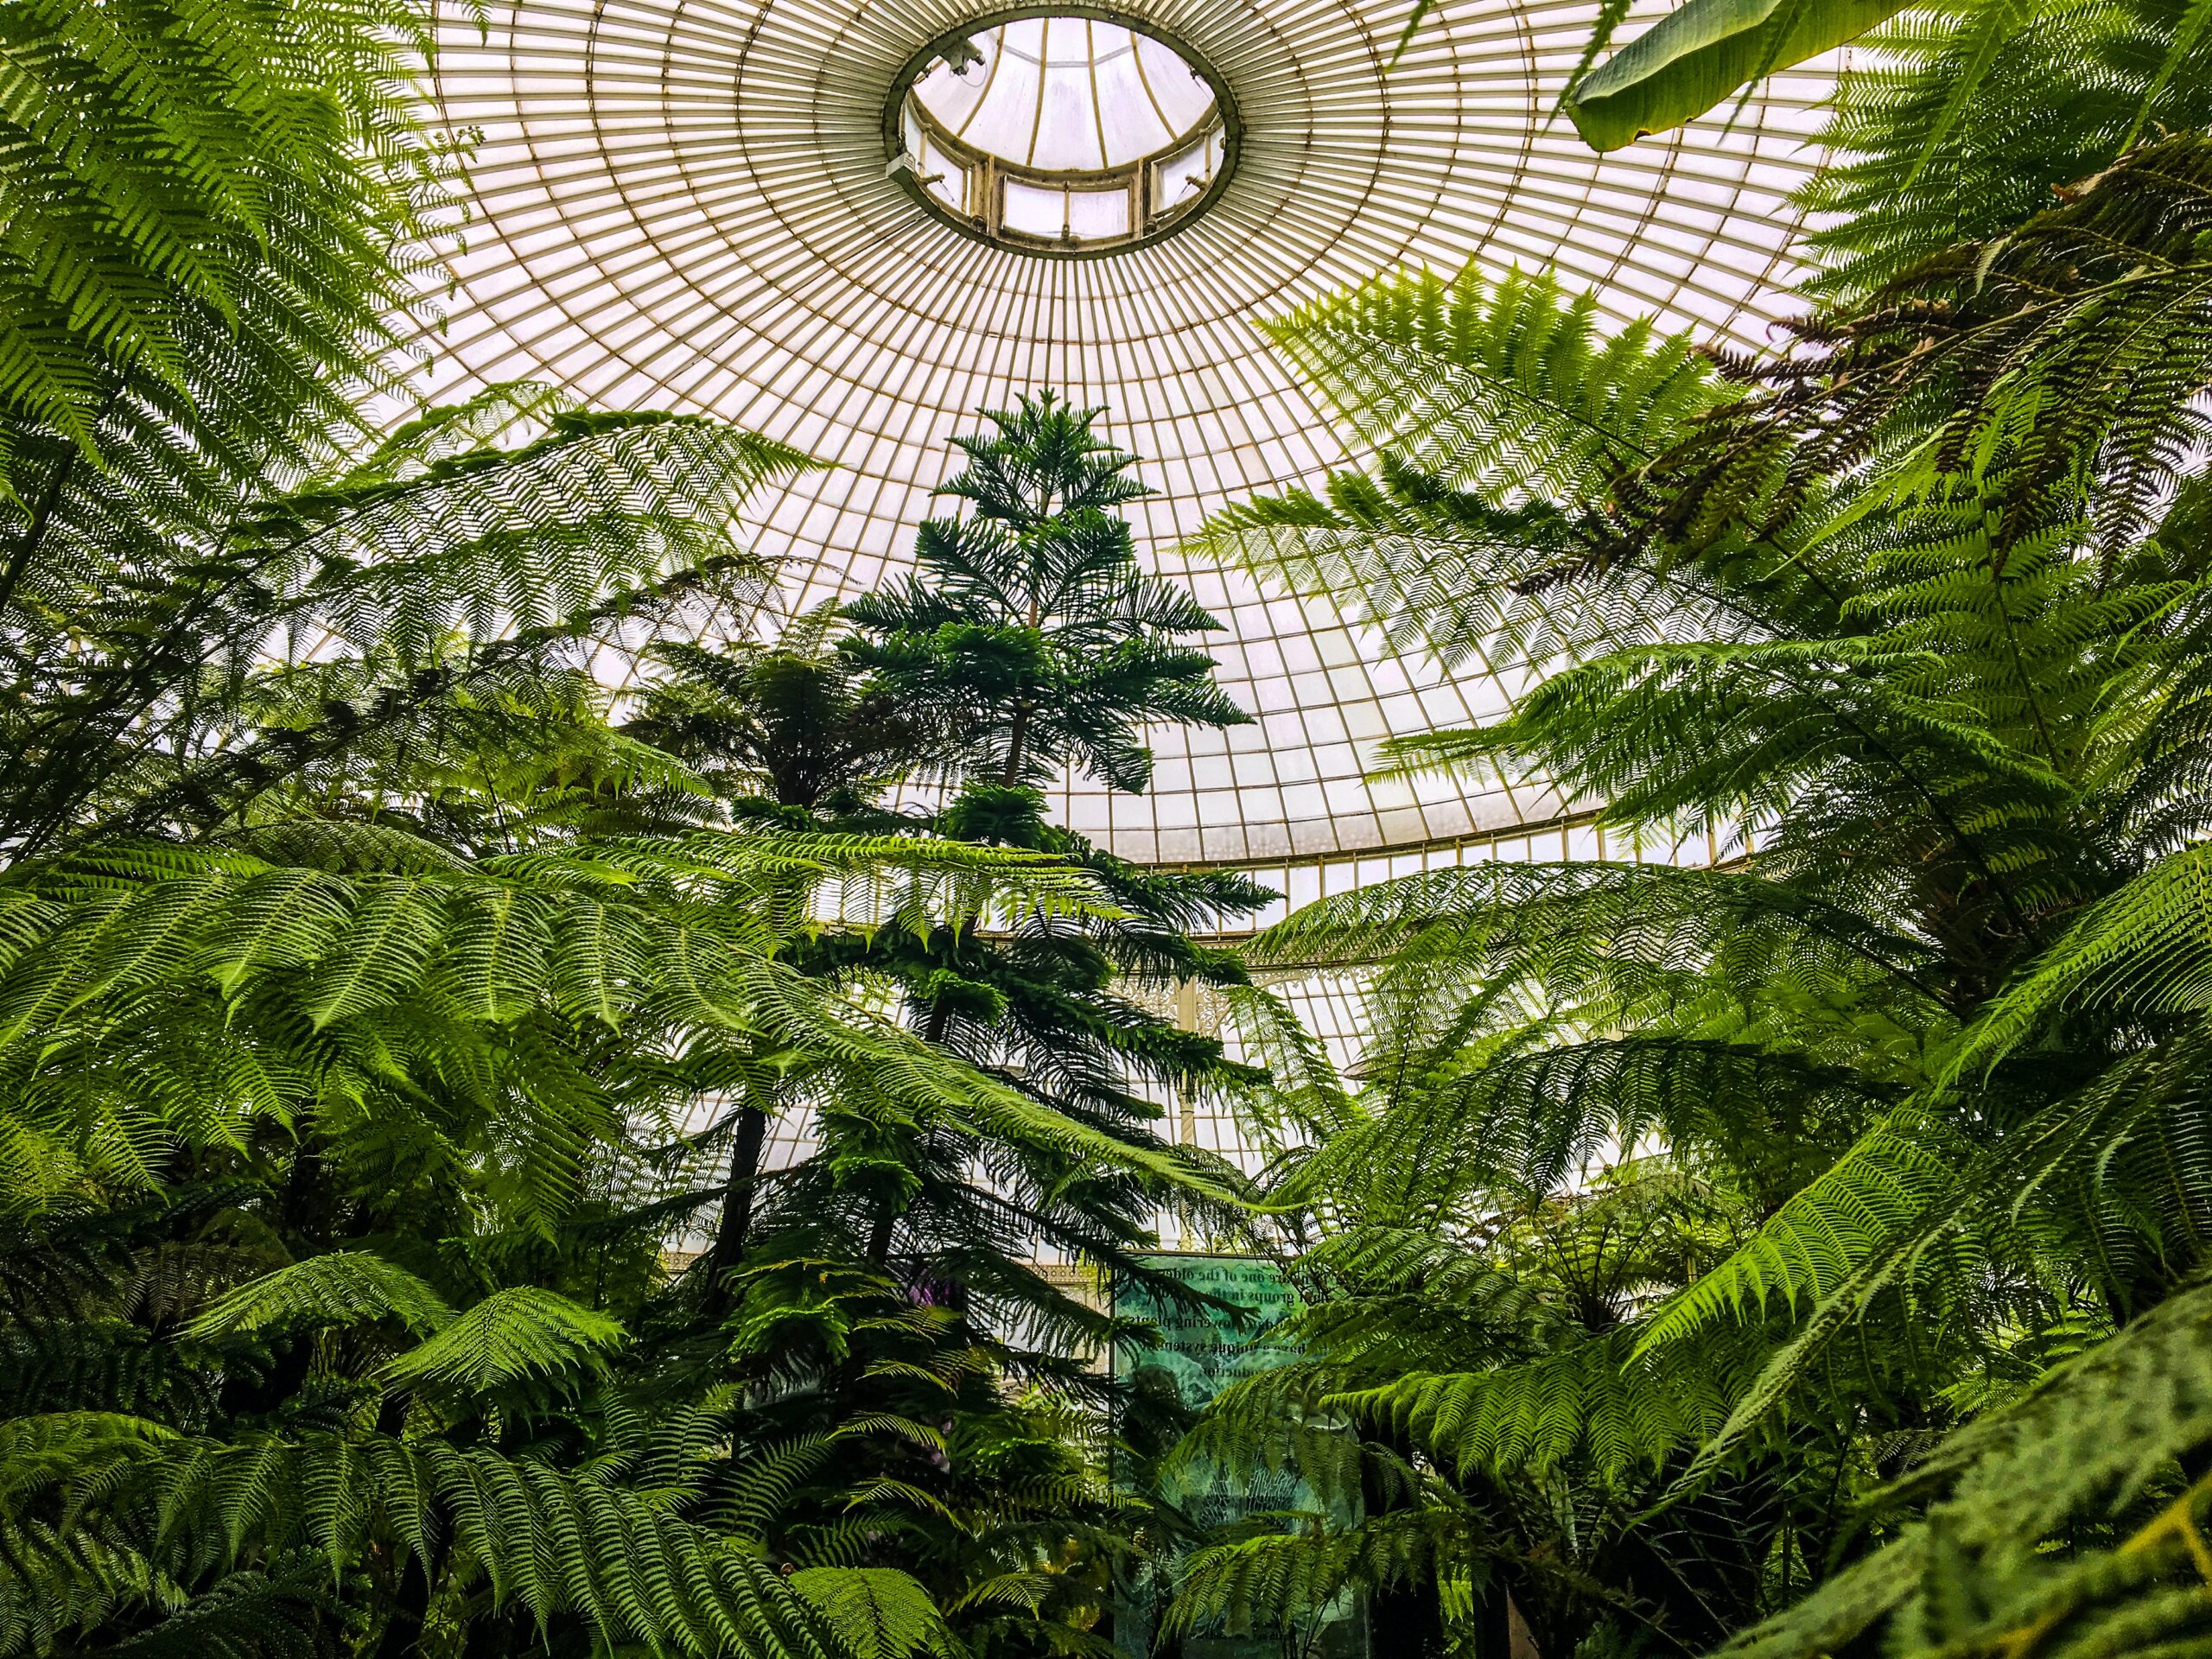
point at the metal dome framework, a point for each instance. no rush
(691, 204)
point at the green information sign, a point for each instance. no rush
(1203, 1350)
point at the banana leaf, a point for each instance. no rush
(1701, 53)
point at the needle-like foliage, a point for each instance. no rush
(923, 1395)
(1030, 615)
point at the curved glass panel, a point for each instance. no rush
(1065, 94)
(1061, 133)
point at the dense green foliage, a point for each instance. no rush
(1696, 1252)
(886, 1285)
(1030, 615)
(375, 1012)
(487, 1173)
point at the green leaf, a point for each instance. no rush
(344, 1287)
(2146, 948)
(2092, 1439)
(1695, 57)
(880, 1611)
(511, 1334)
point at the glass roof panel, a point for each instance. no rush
(1064, 94)
(690, 204)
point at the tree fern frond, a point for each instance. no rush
(1289, 1581)
(340, 1287)
(1596, 1401)
(279, 1611)
(2147, 947)
(1823, 1235)
(513, 1333)
(878, 1611)
(2087, 1444)
(1505, 388)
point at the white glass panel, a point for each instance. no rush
(951, 94)
(1183, 178)
(1095, 214)
(1035, 212)
(1004, 118)
(1176, 91)
(689, 205)
(1067, 120)
(1132, 122)
(1067, 94)
(944, 178)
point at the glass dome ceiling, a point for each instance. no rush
(700, 204)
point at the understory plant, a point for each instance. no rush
(493, 1171)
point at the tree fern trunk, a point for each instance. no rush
(403, 1630)
(1409, 1621)
(879, 1238)
(1493, 1623)
(737, 1209)
(1016, 739)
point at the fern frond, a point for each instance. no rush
(2098, 1436)
(1823, 1237)
(1507, 388)
(511, 1334)
(878, 1611)
(340, 1287)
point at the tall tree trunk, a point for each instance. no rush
(403, 1630)
(1406, 1620)
(736, 1224)
(306, 1204)
(1493, 1621)
(879, 1238)
(1016, 742)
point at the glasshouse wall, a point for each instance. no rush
(507, 1156)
